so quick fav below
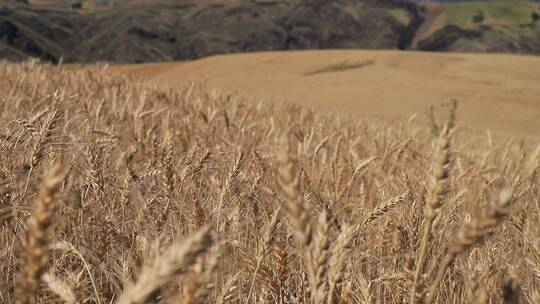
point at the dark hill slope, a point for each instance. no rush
(493, 39)
(161, 33)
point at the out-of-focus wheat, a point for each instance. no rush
(60, 288)
(36, 255)
(166, 266)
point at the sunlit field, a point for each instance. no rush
(115, 190)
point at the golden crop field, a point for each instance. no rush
(377, 85)
(115, 190)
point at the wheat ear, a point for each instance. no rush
(471, 234)
(382, 209)
(36, 255)
(336, 270)
(289, 183)
(268, 241)
(318, 257)
(198, 287)
(438, 188)
(60, 288)
(169, 264)
(69, 248)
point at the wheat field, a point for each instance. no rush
(118, 191)
(376, 84)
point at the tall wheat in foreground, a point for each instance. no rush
(191, 195)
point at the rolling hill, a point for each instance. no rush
(172, 30)
(145, 33)
(500, 26)
(377, 85)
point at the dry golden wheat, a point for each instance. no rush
(304, 206)
(36, 255)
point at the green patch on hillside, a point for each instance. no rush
(401, 15)
(492, 39)
(505, 12)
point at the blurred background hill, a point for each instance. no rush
(168, 30)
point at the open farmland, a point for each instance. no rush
(121, 191)
(380, 85)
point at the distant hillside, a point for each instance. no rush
(179, 32)
(484, 26)
(167, 30)
(501, 39)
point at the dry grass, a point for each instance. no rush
(114, 191)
